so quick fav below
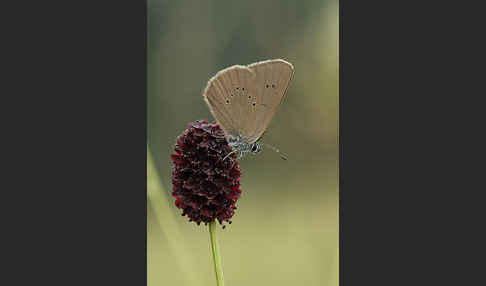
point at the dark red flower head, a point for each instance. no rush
(205, 186)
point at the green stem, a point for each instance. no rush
(218, 269)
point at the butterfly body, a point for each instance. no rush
(244, 100)
(242, 146)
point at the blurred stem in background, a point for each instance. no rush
(166, 220)
(218, 269)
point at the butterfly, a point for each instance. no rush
(244, 100)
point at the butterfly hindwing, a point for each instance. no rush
(271, 81)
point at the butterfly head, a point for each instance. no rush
(255, 148)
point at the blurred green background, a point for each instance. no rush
(285, 231)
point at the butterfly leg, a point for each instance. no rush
(234, 151)
(240, 155)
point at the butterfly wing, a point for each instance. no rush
(271, 81)
(244, 99)
(226, 95)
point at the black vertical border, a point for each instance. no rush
(409, 105)
(74, 190)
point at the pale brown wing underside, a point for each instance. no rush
(244, 99)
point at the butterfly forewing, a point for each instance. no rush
(244, 99)
(223, 94)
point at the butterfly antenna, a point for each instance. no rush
(229, 154)
(282, 155)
